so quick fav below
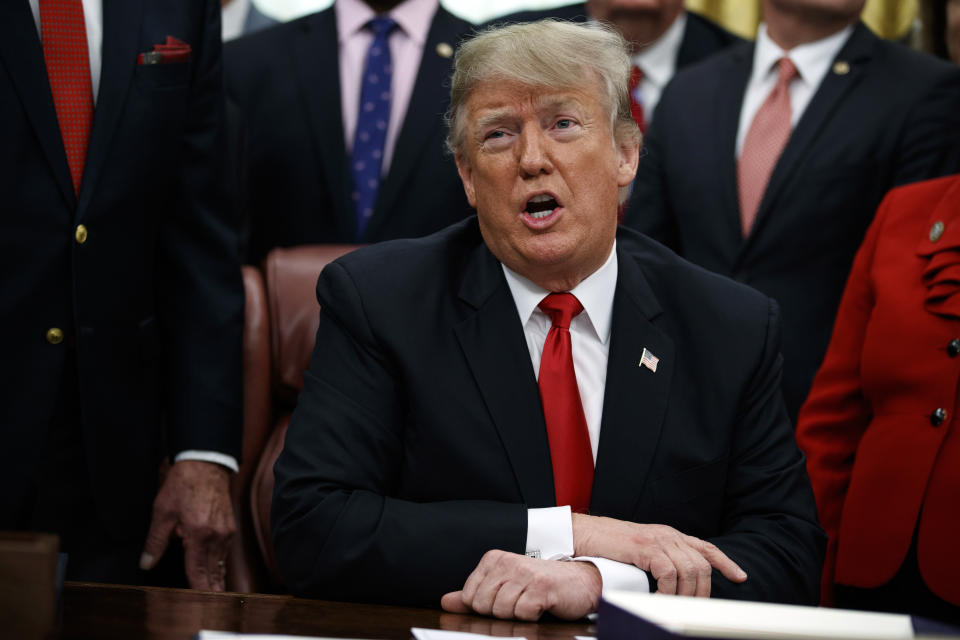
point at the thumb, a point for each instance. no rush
(453, 602)
(161, 526)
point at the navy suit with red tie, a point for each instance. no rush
(147, 296)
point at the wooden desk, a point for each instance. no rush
(122, 612)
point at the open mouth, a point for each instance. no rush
(541, 206)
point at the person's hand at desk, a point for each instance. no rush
(510, 585)
(680, 564)
(194, 502)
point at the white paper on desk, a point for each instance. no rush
(207, 634)
(436, 634)
(717, 618)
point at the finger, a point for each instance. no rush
(505, 602)
(196, 565)
(474, 580)
(719, 560)
(486, 593)
(529, 607)
(218, 573)
(158, 537)
(664, 572)
(687, 574)
(701, 573)
(453, 602)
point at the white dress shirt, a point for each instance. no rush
(550, 530)
(93, 21)
(233, 17)
(407, 40)
(658, 63)
(812, 60)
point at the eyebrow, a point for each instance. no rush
(548, 102)
(492, 118)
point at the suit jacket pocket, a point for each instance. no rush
(691, 501)
(172, 75)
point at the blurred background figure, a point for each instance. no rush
(345, 132)
(940, 20)
(767, 162)
(241, 17)
(879, 425)
(662, 36)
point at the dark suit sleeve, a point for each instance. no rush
(930, 139)
(648, 209)
(340, 531)
(200, 295)
(769, 522)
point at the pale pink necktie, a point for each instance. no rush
(766, 138)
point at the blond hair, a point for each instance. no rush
(551, 53)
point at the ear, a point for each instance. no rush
(466, 176)
(628, 156)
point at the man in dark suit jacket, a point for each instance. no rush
(287, 85)
(420, 445)
(645, 28)
(881, 116)
(122, 303)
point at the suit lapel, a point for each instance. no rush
(121, 29)
(22, 57)
(424, 117)
(492, 341)
(856, 52)
(728, 100)
(635, 398)
(316, 62)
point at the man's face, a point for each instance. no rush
(640, 22)
(542, 170)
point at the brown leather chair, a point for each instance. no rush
(245, 570)
(291, 279)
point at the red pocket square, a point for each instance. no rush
(173, 50)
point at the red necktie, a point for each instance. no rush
(68, 68)
(765, 140)
(636, 109)
(570, 450)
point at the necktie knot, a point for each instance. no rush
(561, 307)
(786, 72)
(381, 26)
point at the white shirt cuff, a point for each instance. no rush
(549, 533)
(219, 458)
(618, 575)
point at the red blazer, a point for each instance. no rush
(879, 426)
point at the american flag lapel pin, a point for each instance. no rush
(648, 360)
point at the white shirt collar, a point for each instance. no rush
(595, 293)
(812, 59)
(659, 60)
(413, 17)
(233, 17)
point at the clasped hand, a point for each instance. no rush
(509, 585)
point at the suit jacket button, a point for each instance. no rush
(54, 335)
(938, 416)
(81, 234)
(936, 231)
(953, 348)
